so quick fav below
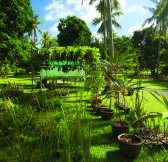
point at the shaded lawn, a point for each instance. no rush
(155, 84)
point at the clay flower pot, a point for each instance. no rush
(100, 109)
(119, 127)
(107, 114)
(130, 145)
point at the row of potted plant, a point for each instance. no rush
(118, 86)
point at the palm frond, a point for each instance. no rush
(161, 98)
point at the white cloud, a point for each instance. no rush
(54, 28)
(134, 28)
(57, 10)
(129, 8)
(95, 34)
(137, 27)
(135, 8)
(122, 4)
(62, 8)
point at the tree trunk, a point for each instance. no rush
(159, 47)
(153, 73)
(104, 32)
(110, 29)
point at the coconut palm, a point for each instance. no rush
(33, 35)
(46, 40)
(102, 9)
(158, 20)
(46, 43)
(111, 4)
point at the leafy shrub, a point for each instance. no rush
(12, 89)
(45, 100)
(165, 70)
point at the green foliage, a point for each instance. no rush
(15, 17)
(84, 55)
(165, 71)
(146, 44)
(94, 80)
(15, 22)
(12, 90)
(73, 31)
(44, 100)
(161, 98)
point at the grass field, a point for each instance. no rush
(104, 146)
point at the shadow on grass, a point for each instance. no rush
(79, 101)
(115, 156)
(162, 83)
(105, 139)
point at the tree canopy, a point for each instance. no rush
(146, 45)
(73, 31)
(15, 17)
(15, 21)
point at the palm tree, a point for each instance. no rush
(33, 35)
(34, 29)
(111, 4)
(46, 40)
(158, 20)
(102, 9)
(46, 43)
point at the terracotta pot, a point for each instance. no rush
(107, 114)
(126, 110)
(130, 145)
(100, 109)
(120, 106)
(130, 92)
(119, 127)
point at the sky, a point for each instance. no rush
(51, 11)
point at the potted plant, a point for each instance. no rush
(107, 114)
(94, 82)
(120, 126)
(164, 101)
(121, 85)
(130, 145)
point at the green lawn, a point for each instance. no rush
(104, 146)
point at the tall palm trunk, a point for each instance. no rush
(159, 48)
(104, 32)
(110, 29)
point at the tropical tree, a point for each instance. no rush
(110, 3)
(104, 29)
(73, 31)
(34, 30)
(146, 47)
(46, 40)
(158, 20)
(14, 24)
(46, 43)
(33, 36)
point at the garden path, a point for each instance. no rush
(164, 92)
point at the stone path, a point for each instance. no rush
(165, 92)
